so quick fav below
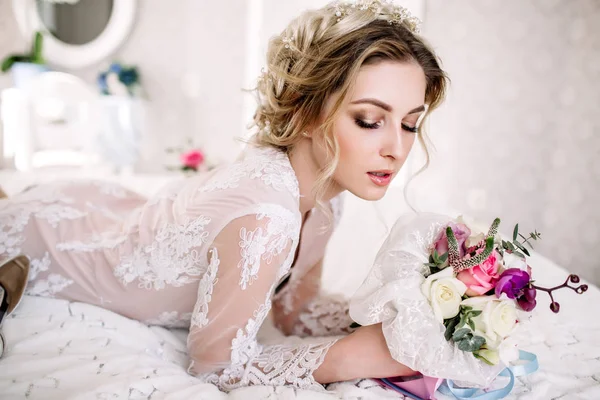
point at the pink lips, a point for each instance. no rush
(381, 178)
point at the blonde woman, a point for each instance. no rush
(341, 103)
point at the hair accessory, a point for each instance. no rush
(289, 42)
(384, 9)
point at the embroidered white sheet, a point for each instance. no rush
(61, 350)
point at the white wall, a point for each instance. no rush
(518, 137)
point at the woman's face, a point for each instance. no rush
(376, 127)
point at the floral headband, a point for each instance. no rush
(384, 9)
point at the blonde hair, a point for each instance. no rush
(318, 55)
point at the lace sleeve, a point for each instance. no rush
(246, 260)
(300, 309)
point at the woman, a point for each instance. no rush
(340, 106)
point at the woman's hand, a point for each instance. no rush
(362, 354)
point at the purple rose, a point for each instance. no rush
(461, 233)
(514, 282)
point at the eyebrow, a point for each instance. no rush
(386, 106)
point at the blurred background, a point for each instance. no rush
(147, 82)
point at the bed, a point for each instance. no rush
(62, 350)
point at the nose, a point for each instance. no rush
(393, 144)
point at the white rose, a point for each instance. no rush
(514, 261)
(444, 293)
(497, 320)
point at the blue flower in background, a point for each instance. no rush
(115, 67)
(101, 81)
(118, 80)
(129, 76)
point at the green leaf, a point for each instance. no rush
(450, 326)
(471, 324)
(518, 253)
(461, 334)
(516, 232)
(475, 313)
(522, 248)
(8, 62)
(443, 258)
(479, 341)
(471, 343)
(482, 358)
(36, 51)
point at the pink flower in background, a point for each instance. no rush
(481, 278)
(192, 159)
(461, 232)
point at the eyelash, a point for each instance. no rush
(366, 125)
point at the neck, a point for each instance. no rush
(307, 169)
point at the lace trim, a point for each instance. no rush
(49, 287)
(54, 213)
(171, 319)
(14, 216)
(324, 316)
(38, 265)
(252, 364)
(277, 365)
(205, 289)
(269, 165)
(96, 243)
(172, 259)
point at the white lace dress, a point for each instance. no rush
(207, 253)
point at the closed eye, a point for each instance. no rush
(374, 125)
(367, 125)
(412, 129)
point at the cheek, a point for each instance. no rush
(352, 141)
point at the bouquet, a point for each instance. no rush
(449, 298)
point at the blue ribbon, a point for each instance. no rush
(531, 365)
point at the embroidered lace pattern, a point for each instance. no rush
(171, 319)
(171, 259)
(269, 165)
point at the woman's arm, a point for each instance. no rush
(362, 354)
(299, 309)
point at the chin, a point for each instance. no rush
(369, 194)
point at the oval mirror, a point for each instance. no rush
(75, 23)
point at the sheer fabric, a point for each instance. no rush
(207, 253)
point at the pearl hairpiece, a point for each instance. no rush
(385, 9)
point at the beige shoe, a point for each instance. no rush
(13, 279)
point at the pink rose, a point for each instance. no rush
(192, 159)
(461, 232)
(481, 278)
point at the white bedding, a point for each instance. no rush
(62, 350)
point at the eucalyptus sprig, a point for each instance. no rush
(518, 248)
(437, 262)
(464, 337)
